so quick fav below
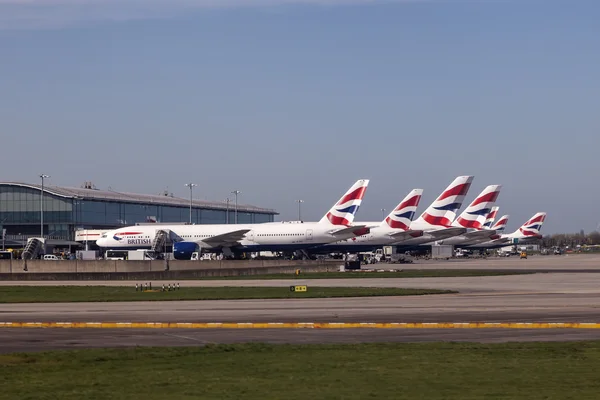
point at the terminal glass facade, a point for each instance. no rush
(20, 213)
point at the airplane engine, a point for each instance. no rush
(184, 250)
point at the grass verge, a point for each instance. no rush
(63, 294)
(255, 371)
(417, 273)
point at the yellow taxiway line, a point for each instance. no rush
(309, 325)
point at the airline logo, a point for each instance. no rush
(491, 217)
(345, 209)
(473, 216)
(501, 224)
(118, 237)
(403, 215)
(532, 227)
(443, 211)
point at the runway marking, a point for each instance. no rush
(305, 325)
(188, 338)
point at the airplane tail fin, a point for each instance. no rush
(489, 222)
(443, 210)
(342, 213)
(501, 224)
(475, 215)
(404, 213)
(532, 227)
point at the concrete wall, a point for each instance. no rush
(177, 269)
(5, 266)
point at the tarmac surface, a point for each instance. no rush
(541, 297)
(29, 340)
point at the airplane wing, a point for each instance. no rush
(405, 235)
(347, 230)
(226, 238)
(484, 234)
(446, 233)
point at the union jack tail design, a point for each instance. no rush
(342, 213)
(532, 227)
(443, 210)
(475, 215)
(501, 224)
(403, 215)
(490, 218)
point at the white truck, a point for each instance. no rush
(128, 255)
(139, 255)
(442, 251)
(86, 255)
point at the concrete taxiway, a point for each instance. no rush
(542, 297)
(568, 262)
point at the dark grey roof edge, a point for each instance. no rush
(107, 195)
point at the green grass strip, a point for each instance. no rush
(429, 371)
(62, 294)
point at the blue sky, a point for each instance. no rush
(298, 99)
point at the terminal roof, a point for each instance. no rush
(153, 199)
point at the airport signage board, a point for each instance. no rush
(298, 288)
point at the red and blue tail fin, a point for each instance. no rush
(532, 227)
(443, 210)
(489, 222)
(343, 212)
(404, 213)
(475, 215)
(501, 224)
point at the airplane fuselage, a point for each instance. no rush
(259, 237)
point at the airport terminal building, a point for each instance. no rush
(67, 210)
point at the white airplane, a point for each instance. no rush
(436, 220)
(529, 232)
(500, 225)
(489, 222)
(394, 228)
(235, 239)
(473, 219)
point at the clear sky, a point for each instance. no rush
(286, 99)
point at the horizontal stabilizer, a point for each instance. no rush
(227, 238)
(349, 229)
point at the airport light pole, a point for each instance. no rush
(76, 205)
(43, 176)
(227, 215)
(382, 213)
(299, 209)
(236, 192)
(191, 186)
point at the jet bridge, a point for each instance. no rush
(159, 243)
(33, 248)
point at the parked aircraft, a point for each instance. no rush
(489, 222)
(232, 239)
(436, 220)
(529, 232)
(394, 228)
(473, 219)
(500, 225)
